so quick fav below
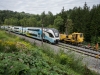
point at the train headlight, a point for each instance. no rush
(56, 34)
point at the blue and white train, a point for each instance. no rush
(50, 35)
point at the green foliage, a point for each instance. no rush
(69, 26)
(69, 62)
(28, 63)
(64, 59)
(86, 21)
(7, 46)
(7, 36)
(22, 58)
(3, 37)
(28, 22)
(10, 64)
(32, 22)
(58, 22)
(11, 21)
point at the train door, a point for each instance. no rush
(39, 35)
(76, 37)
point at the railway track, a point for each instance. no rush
(81, 50)
(90, 48)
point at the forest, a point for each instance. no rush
(79, 19)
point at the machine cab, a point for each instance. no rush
(78, 37)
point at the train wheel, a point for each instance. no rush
(48, 41)
(62, 41)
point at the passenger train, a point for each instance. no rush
(50, 35)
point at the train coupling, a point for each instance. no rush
(56, 41)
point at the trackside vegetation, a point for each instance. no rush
(19, 57)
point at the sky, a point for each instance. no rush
(38, 6)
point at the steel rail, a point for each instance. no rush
(81, 50)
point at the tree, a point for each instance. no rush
(63, 15)
(58, 22)
(95, 22)
(23, 22)
(6, 22)
(43, 20)
(69, 26)
(86, 22)
(49, 19)
(32, 22)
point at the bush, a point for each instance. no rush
(7, 46)
(64, 59)
(32, 63)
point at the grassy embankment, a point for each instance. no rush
(19, 57)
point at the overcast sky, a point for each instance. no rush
(38, 6)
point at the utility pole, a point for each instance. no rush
(8, 28)
(22, 30)
(42, 19)
(42, 35)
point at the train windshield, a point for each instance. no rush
(50, 35)
(81, 35)
(56, 33)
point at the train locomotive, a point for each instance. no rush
(50, 35)
(74, 38)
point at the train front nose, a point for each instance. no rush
(56, 41)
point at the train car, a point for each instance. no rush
(50, 35)
(17, 29)
(2, 27)
(74, 38)
(24, 31)
(10, 28)
(5, 27)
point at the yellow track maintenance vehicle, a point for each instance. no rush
(74, 38)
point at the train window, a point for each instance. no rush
(50, 35)
(16, 28)
(38, 34)
(33, 29)
(81, 35)
(33, 34)
(66, 36)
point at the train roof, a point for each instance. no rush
(77, 33)
(44, 28)
(41, 28)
